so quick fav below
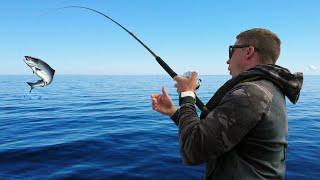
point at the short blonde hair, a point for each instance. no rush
(267, 43)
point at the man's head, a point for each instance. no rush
(253, 47)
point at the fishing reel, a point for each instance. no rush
(188, 75)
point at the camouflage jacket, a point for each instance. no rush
(244, 134)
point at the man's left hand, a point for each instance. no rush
(186, 84)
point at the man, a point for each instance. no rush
(243, 135)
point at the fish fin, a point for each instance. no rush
(38, 69)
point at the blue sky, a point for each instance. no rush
(188, 35)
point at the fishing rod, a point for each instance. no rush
(164, 65)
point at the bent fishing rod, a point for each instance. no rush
(164, 65)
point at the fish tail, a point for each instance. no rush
(31, 86)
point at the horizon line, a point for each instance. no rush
(110, 75)
(128, 75)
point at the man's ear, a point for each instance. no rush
(249, 52)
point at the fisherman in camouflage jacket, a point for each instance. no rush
(243, 133)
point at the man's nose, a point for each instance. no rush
(228, 61)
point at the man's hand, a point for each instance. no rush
(186, 84)
(163, 104)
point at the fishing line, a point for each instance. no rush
(164, 65)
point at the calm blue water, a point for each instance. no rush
(103, 127)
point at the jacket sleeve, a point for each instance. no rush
(224, 127)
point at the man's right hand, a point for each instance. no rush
(163, 104)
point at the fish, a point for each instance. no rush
(42, 70)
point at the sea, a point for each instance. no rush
(103, 127)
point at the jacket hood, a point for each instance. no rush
(289, 83)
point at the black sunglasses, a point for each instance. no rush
(239, 46)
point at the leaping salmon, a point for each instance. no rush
(41, 69)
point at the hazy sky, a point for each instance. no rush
(188, 35)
